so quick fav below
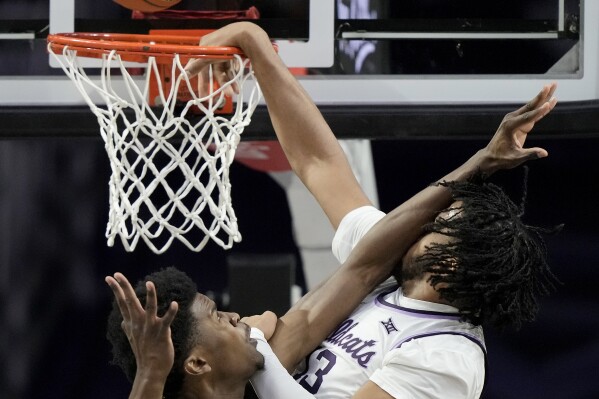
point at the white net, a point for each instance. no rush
(170, 163)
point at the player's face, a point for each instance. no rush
(230, 348)
(421, 246)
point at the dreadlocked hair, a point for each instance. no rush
(171, 285)
(494, 267)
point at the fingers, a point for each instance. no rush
(225, 76)
(249, 320)
(528, 154)
(265, 318)
(518, 120)
(227, 79)
(131, 299)
(130, 306)
(209, 71)
(126, 299)
(150, 300)
(526, 120)
(507, 145)
(539, 99)
(119, 297)
(545, 109)
(545, 95)
(234, 317)
(552, 88)
(194, 67)
(270, 315)
(170, 314)
(535, 153)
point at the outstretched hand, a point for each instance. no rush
(506, 148)
(148, 334)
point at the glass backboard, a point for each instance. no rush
(358, 52)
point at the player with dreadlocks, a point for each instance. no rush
(493, 267)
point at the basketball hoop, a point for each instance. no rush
(169, 151)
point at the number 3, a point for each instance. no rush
(331, 359)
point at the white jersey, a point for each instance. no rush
(381, 336)
(409, 348)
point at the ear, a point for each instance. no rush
(197, 365)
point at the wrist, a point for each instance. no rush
(482, 161)
(252, 39)
(486, 162)
(147, 385)
(244, 35)
(145, 374)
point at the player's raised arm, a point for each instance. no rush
(309, 144)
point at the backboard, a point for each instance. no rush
(313, 49)
(358, 52)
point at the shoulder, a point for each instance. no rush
(352, 228)
(453, 361)
(448, 343)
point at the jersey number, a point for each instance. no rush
(326, 359)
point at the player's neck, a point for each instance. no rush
(228, 394)
(421, 290)
(210, 390)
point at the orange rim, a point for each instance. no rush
(137, 48)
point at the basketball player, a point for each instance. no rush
(422, 339)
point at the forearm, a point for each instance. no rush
(384, 246)
(300, 128)
(308, 142)
(434, 198)
(147, 386)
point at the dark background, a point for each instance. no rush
(54, 259)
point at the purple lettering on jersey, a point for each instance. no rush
(341, 331)
(350, 344)
(356, 347)
(364, 358)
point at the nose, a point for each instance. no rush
(233, 318)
